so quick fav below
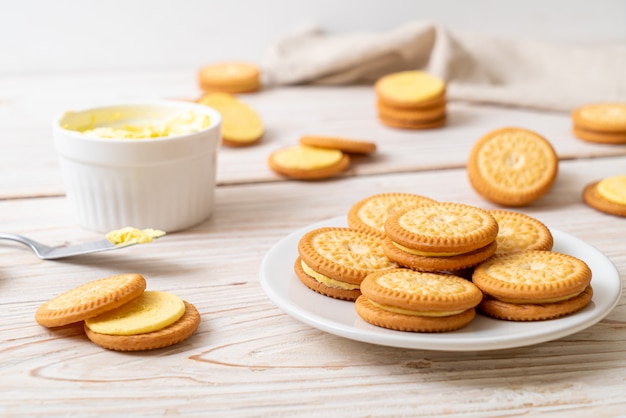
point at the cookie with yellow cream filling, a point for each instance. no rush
(308, 163)
(333, 261)
(440, 236)
(409, 89)
(607, 195)
(533, 285)
(230, 77)
(408, 300)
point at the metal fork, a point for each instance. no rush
(50, 253)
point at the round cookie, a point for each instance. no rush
(601, 117)
(607, 195)
(90, 299)
(351, 146)
(553, 280)
(308, 163)
(519, 232)
(172, 334)
(338, 259)
(370, 214)
(409, 88)
(409, 124)
(407, 300)
(412, 116)
(512, 166)
(241, 125)
(230, 77)
(438, 101)
(441, 229)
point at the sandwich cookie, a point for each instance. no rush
(230, 77)
(334, 261)
(602, 122)
(407, 300)
(533, 285)
(440, 237)
(512, 166)
(607, 195)
(370, 214)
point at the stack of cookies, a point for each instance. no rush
(230, 77)
(603, 123)
(411, 100)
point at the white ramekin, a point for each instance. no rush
(164, 183)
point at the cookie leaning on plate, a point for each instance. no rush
(520, 232)
(533, 285)
(407, 300)
(440, 236)
(334, 261)
(512, 166)
(607, 195)
(369, 214)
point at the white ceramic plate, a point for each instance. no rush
(340, 318)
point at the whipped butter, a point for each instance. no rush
(117, 126)
(130, 235)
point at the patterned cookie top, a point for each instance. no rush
(343, 254)
(606, 117)
(442, 228)
(90, 299)
(518, 232)
(370, 214)
(420, 291)
(512, 166)
(532, 275)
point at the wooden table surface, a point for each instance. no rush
(248, 357)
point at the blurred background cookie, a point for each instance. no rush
(601, 122)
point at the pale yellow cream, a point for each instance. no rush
(180, 123)
(327, 280)
(130, 235)
(424, 253)
(434, 314)
(613, 189)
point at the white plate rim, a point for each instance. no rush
(277, 279)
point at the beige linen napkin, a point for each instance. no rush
(476, 68)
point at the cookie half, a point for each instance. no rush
(607, 195)
(520, 232)
(369, 214)
(308, 163)
(338, 259)
(407, 300)
(172, 334)
(553, 280)
(351, 146)
(90, 299)
(512, 166)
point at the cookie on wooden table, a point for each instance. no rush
(600, 122)
(230, 77)
(440, 236)
(533, 285)
(411, 100)
(407, 300)
(90, 299)
(347, 145)
(334, 261)
(369, 214)
(607, 195)
(308, 163)
(145, 324)
(512, 166)
(520, 232)
(241, 125)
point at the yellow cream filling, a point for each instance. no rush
(425, 253)
(539, 301)
(327, 280)
(415, 313)
(613, 189)
(181, 123)
(307, 158)
(130, 235)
